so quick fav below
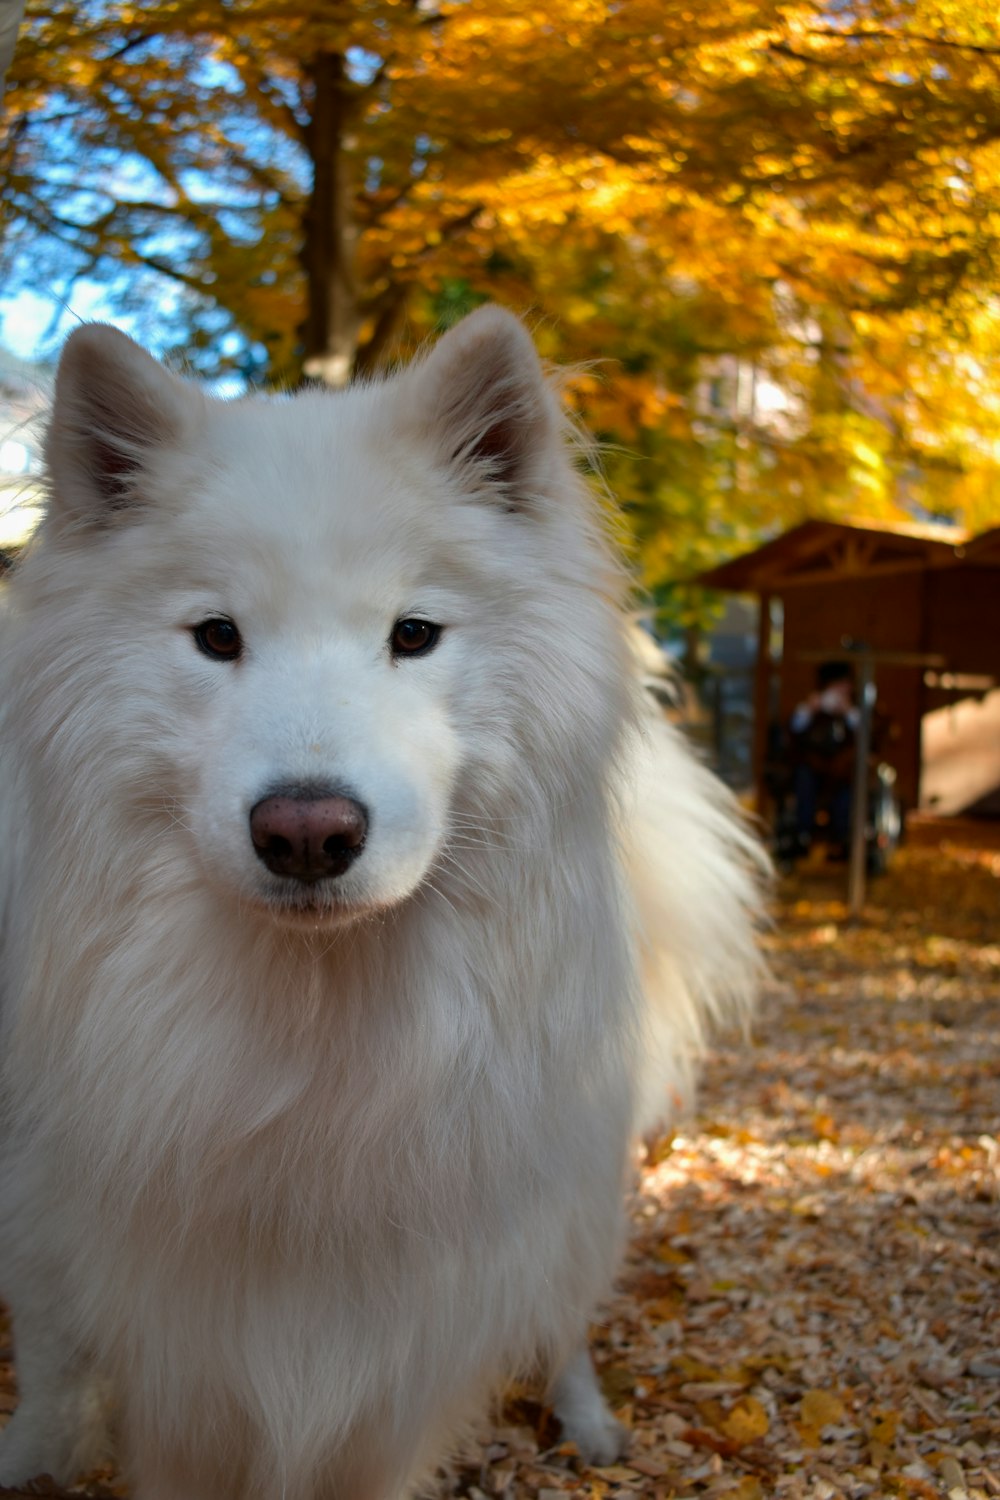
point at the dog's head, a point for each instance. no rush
(321, 642)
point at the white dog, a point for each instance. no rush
(321, 976)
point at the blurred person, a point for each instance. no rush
(823, 732)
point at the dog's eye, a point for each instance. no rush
(413, 637)
(219, 639)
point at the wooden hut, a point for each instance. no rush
(925, 592)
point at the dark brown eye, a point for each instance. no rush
(413, 637)
(219, 639)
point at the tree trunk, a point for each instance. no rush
(332, 322)
(11, 16)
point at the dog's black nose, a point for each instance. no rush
(308, 837)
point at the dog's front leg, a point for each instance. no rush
(586, 1419)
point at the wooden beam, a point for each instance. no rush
(778, 583)
(857, 554)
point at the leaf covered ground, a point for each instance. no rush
(810, 1306)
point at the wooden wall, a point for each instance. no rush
(886, 613)
(953, 612)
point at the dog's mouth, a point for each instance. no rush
(313, 904)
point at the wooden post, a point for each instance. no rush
(761, 703)
(859, 794)
(922, 697)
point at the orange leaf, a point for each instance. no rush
(822, 1409)
(747, 1421)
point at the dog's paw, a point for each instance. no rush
(25, 1454)
(46, 1441)
(583, 1413)
(599, 1437)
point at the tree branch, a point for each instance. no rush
(879, 34)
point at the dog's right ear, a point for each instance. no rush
(114, 406)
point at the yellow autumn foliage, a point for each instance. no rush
(775, 234)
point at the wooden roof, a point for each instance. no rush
(825, 551)
(984, 549)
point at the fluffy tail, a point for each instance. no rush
(699, 877)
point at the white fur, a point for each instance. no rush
(302, 1173)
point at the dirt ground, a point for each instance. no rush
(810, 1307)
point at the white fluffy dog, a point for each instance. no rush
(322, 967)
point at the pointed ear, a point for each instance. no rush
(114, 406)
(482, 397)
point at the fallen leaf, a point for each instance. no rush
(747, 1421)
(822, 1408)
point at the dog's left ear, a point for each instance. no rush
(482, 396)
(114, 406)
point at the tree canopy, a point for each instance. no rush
(775, 226)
